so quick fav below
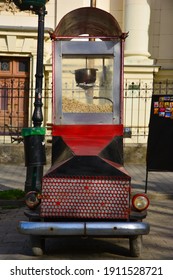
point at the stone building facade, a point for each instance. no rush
(148, 54)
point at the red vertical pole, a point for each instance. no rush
(122, 83)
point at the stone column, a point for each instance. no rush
(136, 22)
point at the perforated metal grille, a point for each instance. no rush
(85, 197)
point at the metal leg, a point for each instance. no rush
(146, 181)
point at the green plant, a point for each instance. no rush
(12, 194)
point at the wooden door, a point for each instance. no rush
(14, 93)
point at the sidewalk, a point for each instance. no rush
(160, 184)
(158, 245)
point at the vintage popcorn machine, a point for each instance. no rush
(87, 191)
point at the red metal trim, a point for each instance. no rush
(83, 37)
(53, 75)
(122, 84)
(54, 37)
(87, 139)
(87, 130)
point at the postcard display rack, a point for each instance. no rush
(160, 139)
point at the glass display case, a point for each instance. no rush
(85, 89)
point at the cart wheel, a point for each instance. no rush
(135, 243)
(37, 245)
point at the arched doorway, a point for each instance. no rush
(14, 93)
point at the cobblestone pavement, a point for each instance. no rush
(158, 245)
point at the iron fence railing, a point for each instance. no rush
(137, 101)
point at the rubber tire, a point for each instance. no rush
(135, 243)
(37, 245)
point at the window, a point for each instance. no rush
(4, 99)
(4, 65)
(23, 66)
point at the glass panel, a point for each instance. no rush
(87, 85)
(4, 99)
(23, 66)
(4, 65)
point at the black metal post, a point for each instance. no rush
(37, 117)
(34, 146)
(34, 174)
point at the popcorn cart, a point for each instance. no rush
(87, 192)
